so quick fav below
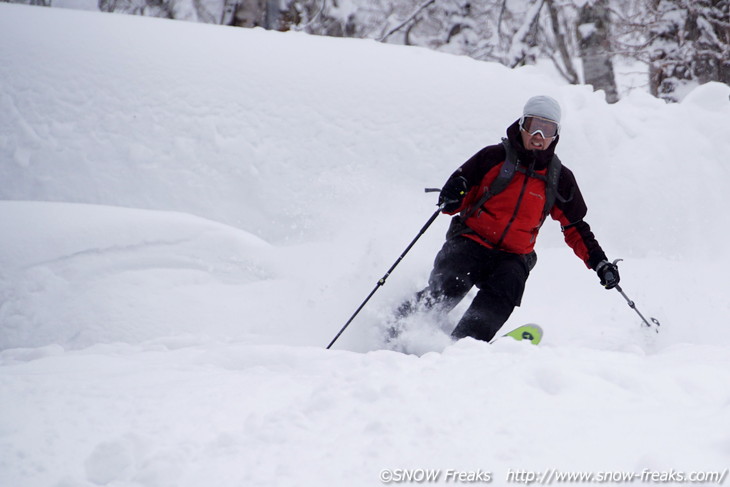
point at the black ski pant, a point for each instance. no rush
(462, 264)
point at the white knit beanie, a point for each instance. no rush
(543, 106)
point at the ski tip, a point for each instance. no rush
(530, 332)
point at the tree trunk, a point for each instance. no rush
(594, 34)
(250, 13)
(565, 63)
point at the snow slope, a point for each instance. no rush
(190, 213)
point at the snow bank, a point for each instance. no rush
(84, 274)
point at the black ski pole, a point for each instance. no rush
(382, 279)
(632, 305)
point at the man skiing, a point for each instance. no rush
(500, 198)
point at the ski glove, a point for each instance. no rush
(608, 273)
(452, 194)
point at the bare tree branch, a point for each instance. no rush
(415, 13)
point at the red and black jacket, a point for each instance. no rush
(511, 219)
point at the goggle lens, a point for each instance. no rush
(533, 125)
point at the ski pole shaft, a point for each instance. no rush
(632, 305)
(382, 279)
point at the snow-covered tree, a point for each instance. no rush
(208, 11)
(40, 3)
(511, 32)
(689, 44)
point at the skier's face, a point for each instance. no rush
(538, 132)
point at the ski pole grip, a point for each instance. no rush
(431, 190)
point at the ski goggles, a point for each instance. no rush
(534, 125)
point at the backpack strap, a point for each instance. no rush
(506, 173)
(551, 185)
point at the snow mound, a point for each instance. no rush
(76, 275)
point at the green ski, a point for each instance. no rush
(531, 333)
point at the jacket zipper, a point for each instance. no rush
(517, 206)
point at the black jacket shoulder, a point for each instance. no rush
(474, 169)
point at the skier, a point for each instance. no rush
(499, 207)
